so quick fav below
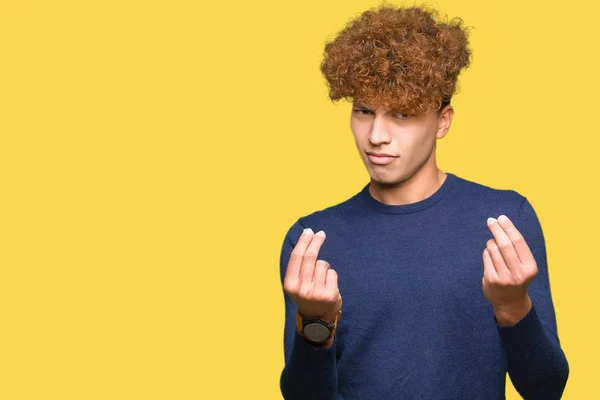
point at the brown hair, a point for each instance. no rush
(403, 59)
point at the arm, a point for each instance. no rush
(536, 364)
(309, 371)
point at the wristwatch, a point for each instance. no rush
(316, 330)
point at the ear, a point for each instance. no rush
(444, 121)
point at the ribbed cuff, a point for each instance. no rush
(310, 373)
(526, 342)
(303, 349)
(529, 325)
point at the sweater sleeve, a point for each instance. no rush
(309, 372)
(536, 364)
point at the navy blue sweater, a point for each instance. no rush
(416, 324)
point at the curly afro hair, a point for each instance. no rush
(406, 60)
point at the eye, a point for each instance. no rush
(402, 116)
(362, 111)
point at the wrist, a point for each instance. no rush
(319, 332)
(330, 318)
(324, 345)
(509, 314)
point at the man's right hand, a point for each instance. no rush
(310, 282)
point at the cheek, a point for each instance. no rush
(359, 131)
(417, 142)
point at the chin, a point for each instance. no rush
(386, 181)
(391, 178)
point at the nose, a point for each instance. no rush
(378, 133)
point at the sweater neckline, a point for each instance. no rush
(439, 194)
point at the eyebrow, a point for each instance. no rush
(363, 107)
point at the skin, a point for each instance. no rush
(413, 175)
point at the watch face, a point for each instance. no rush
(316, 332)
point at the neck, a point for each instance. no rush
(418, 187)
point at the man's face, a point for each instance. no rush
(409, 140)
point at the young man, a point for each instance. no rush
(440, 301)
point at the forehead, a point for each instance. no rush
(377, 108)
(430, 114)
(366, 105)
(396, 108)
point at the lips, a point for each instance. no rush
(381, 158)
(380, 155)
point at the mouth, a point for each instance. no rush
(381, 158)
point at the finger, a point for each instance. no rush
(518, 241)
(331, 283)
(507, 250)
(292, 275)
(499, 264)
(310, 258)
(489, 272)
(320, 275)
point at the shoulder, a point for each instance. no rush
(497, 201)
(472, 191)
(334, 216)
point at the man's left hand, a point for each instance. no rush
(508, 269)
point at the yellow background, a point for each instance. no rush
(154, 153)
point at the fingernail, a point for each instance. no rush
(503, 218)
(491, 221)
(307, 231)
(320, 233)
